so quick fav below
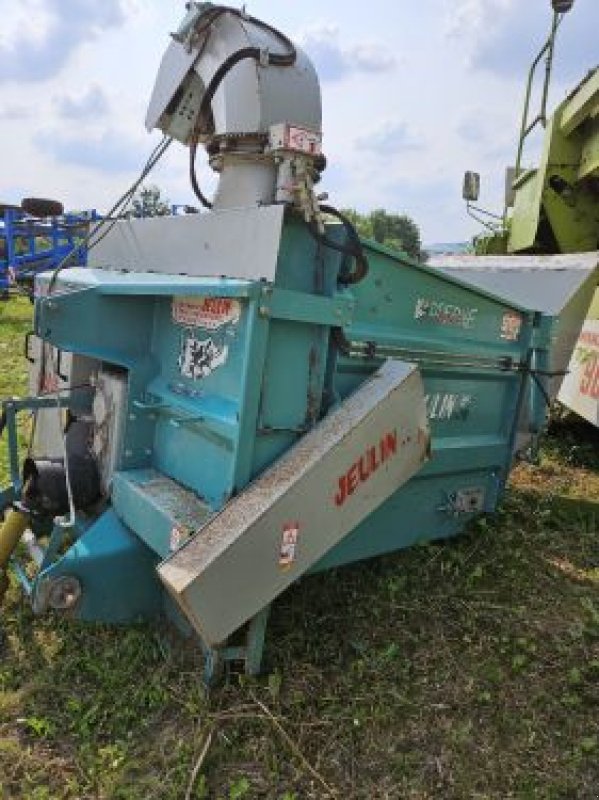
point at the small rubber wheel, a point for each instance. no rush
(40, 207)
(9, 207)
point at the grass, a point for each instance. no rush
(467, 669)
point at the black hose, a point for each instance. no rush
(274, 59)
(354, 249)
(207, 98)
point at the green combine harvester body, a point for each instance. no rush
(551, 210)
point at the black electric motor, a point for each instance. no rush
(45, 480)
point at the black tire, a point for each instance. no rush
(40, 207)
(9, 207)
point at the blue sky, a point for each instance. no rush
(414, 93)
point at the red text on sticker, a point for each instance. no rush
(368, 463)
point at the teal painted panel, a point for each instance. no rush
(419, 512)
(116, 572)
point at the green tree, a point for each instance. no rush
(148, 202)
(361, 222)
(393, 230)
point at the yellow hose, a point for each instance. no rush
(14, 526)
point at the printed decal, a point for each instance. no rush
(448, 406)
(206, 312)
(444, 313)
(289, 542)
(589, 382)
(589, 337)
(511, 324)
(365, 467)
(200, 357)
(302, 139)
(586, 360)
(177, 538)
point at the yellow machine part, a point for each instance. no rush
(14, 526)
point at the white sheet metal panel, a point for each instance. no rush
(239, 243)
(44, 378)
(541, 283)
(561, 286)
(285, 521)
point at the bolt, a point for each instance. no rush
(264, 311)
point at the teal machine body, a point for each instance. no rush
(239, 405)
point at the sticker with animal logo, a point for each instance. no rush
(198, 358)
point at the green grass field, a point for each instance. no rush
(467, 669)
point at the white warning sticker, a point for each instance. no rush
(288, 544)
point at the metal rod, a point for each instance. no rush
(525, 128)
(451, 357)
(548, 66)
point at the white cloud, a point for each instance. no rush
(39, 38)
(90, 105)
(503, 36)
(15, 112)
(335, 61)
(110, 151)
(390, 138)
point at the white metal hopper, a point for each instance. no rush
(559, 286)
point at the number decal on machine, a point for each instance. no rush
(589, 382)
(511, 325)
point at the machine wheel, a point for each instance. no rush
(40, 207)
(9, 207)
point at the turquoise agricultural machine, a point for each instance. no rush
(548, 234)
(227, 401)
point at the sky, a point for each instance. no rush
(414, 93)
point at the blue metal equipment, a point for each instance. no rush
(233, 399)
(30, 244)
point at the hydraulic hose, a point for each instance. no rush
(254, 53)
(354, 249)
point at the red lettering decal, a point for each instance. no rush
(595, 384)
(341, 495)
(353, 479)
(588, 381)
(368, 463)
(364, 468)
(390, 445)
(374, 464)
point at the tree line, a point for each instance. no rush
(397, 231)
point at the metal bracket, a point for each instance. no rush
(220, 660)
